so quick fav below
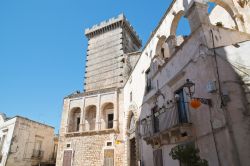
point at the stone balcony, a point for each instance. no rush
(99, 128)
(166, 129)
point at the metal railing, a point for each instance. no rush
(162, 119)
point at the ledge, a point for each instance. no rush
(176, 134)
(92, 132)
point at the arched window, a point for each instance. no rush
(74, 120)
(90, 117)
(107, 116)
(160, 50)
(180, 27)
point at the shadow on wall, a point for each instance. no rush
(166, 117)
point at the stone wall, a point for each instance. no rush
(25, 136)
(106, 47)
(89, 150)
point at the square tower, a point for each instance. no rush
(108, 43)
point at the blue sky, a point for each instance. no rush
(43, 49)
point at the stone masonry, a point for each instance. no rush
(93, 121)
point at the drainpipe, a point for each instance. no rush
(224, 108)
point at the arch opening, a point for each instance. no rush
(90, 118)
(107, 116)
(74, 119)
(180, 28)
(221, 14)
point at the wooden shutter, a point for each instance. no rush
(109, 157)
(67, 157)
(158, 157)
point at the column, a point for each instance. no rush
(82, 123)
(116, 111)
(98, 121)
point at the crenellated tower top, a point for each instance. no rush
(110, 24)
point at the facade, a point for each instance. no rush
(25, 142)
(213, 61)
(135, 115)
(93, 120)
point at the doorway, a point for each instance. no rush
(132, 152)
(67, 157)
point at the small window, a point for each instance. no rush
(148, 85)
(109, 143)
(162, 52)
(68, 145)
(78, 124)
(110, 121)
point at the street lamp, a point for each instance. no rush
(195, 102)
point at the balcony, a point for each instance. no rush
(94, 128)
(37, 154)
(166, 126)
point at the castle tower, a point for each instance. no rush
(107, 45)
(93, 121)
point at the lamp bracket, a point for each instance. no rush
(204, 100)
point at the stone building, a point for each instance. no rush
(211, 67)
(135, 115)
(24, 142)
(93, 120)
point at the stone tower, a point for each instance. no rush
(93, 121)
(107, 45)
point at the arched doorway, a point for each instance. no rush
(132, 143)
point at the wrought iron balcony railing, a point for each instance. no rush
(162, 119)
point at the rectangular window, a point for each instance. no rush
(156, 121)
(157, 154)
(37, 151)
(162, 52)
(78, 124)
(110, 121)
(148, 85)
(38, 145)
(182, 106)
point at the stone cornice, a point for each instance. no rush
(93, 132)
(90, 93)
